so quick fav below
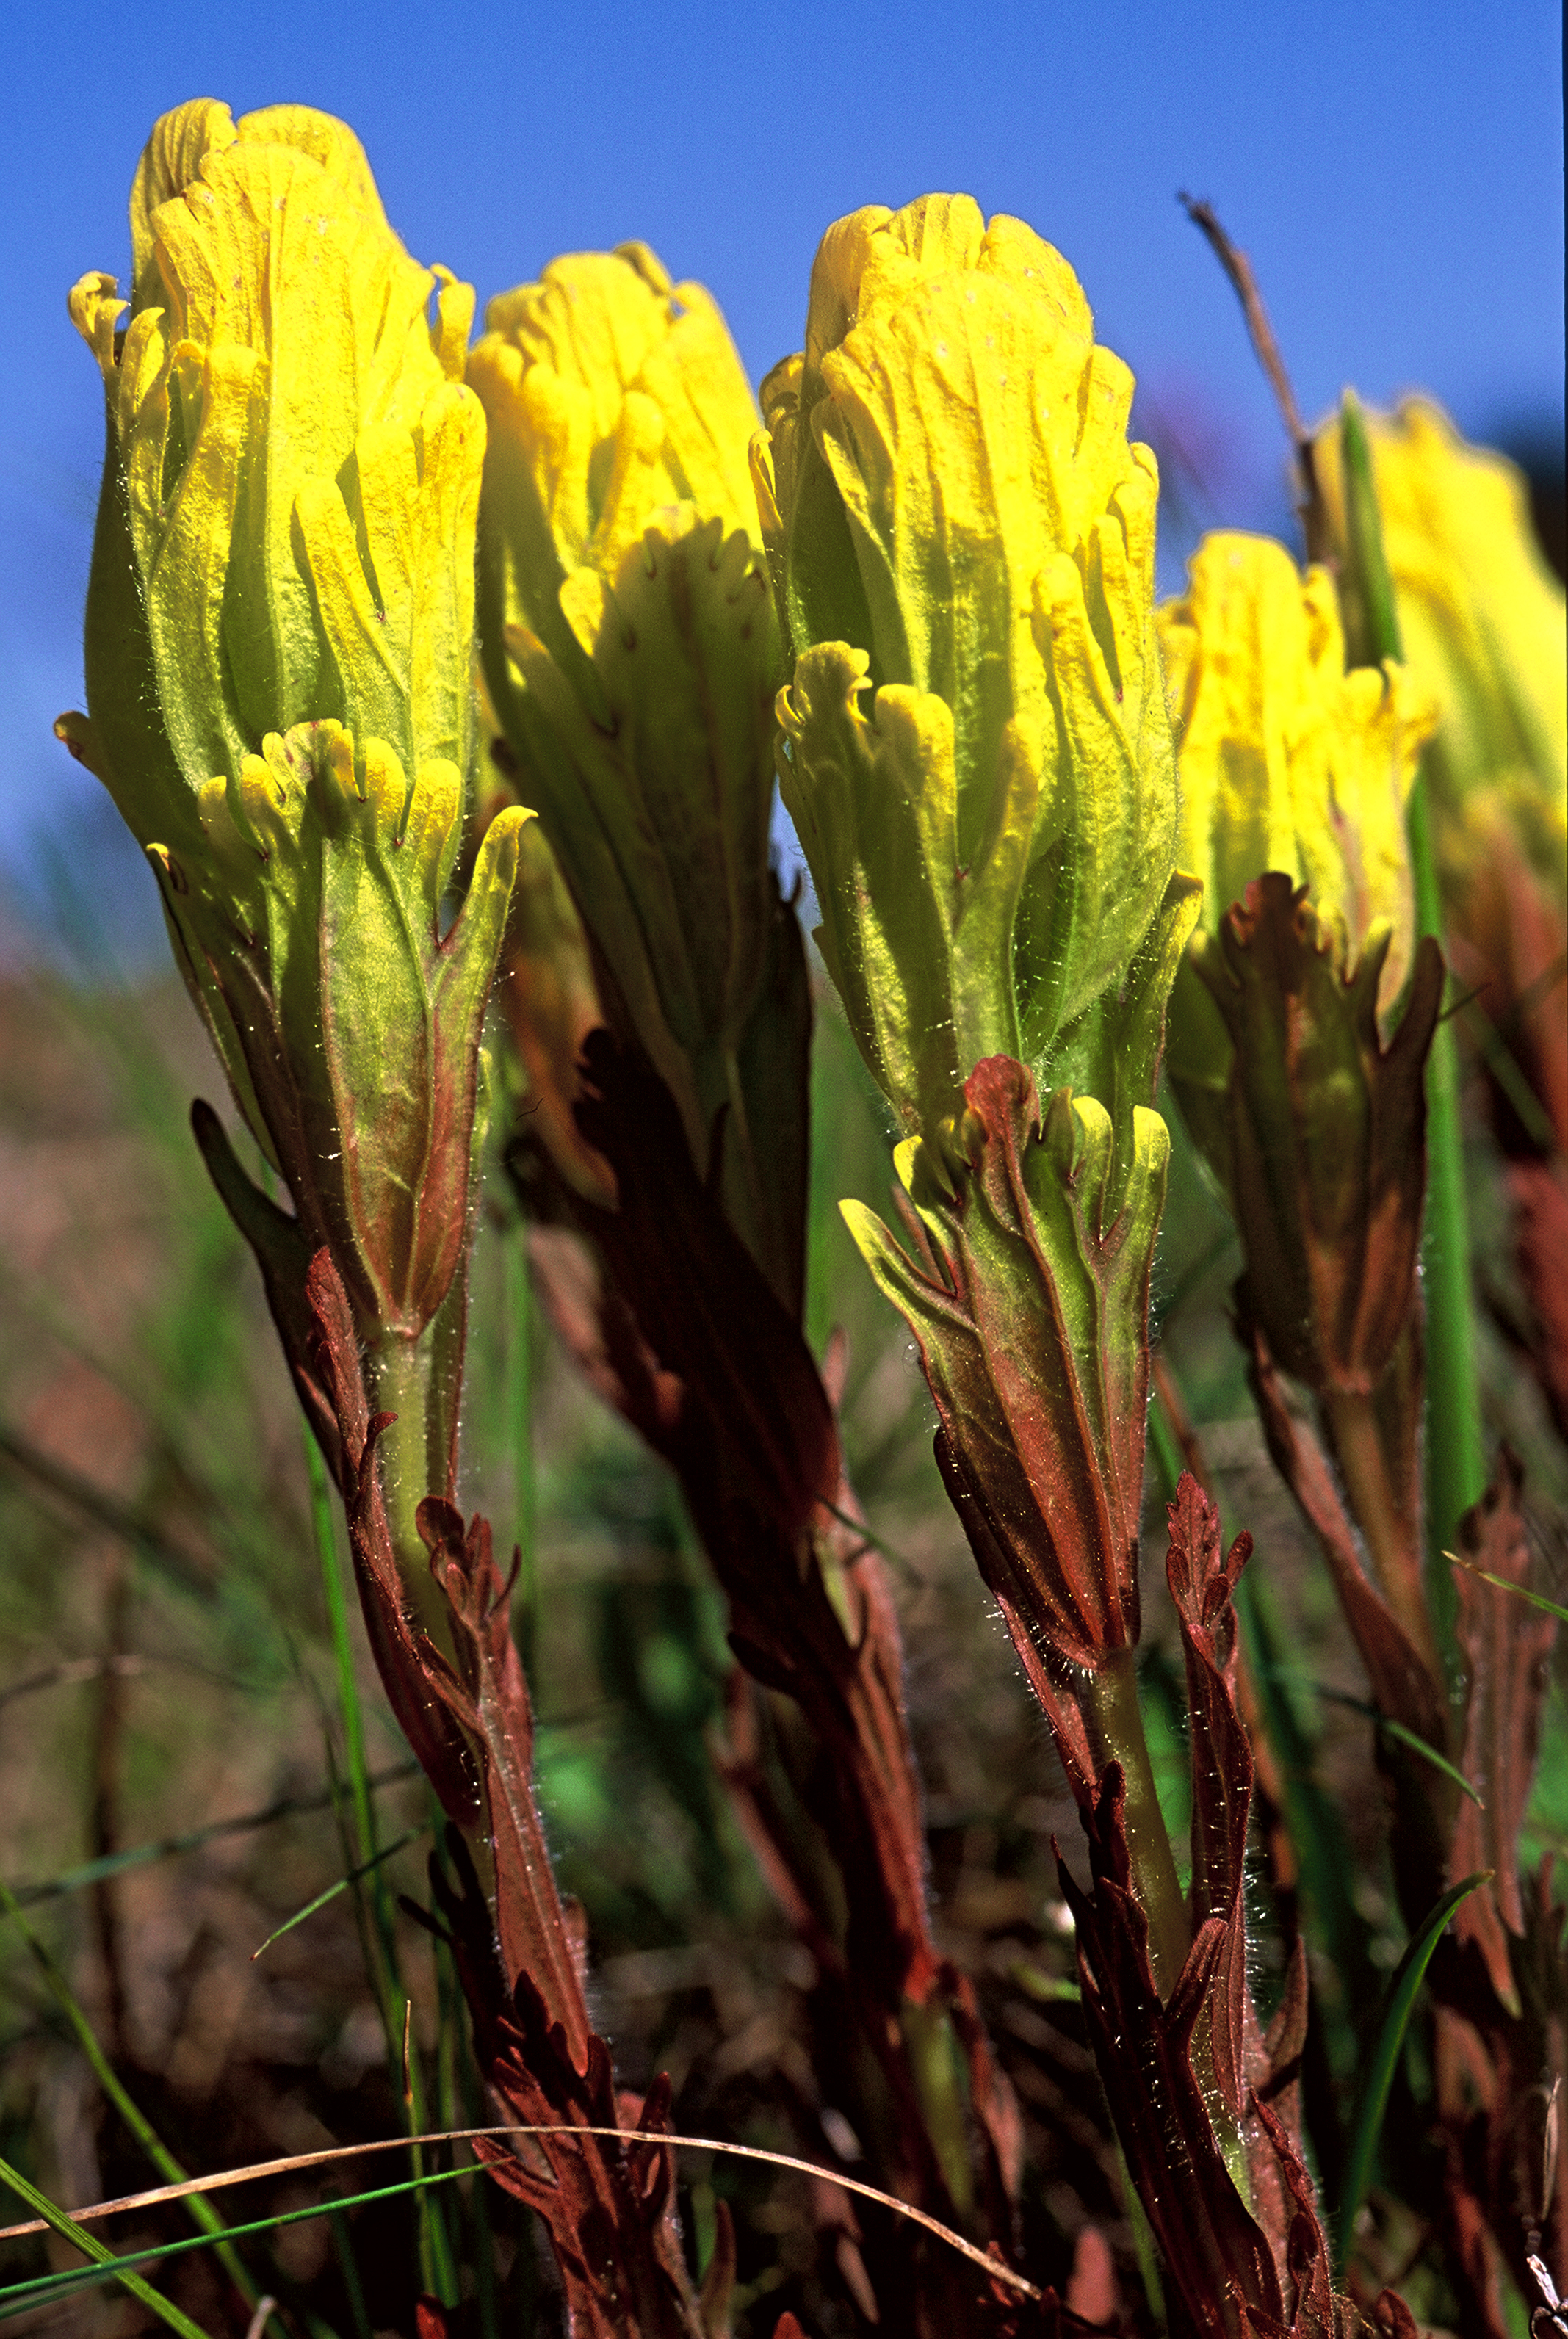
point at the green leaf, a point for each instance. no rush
(1396, 2015)
(1520, 1591)
(332, 1890)
(1392, 1729)
(92, 2247)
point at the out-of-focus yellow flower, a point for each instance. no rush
(631, 655)
(279, 658)
(1481, 619)
(1287, 760)
(955, 519)
(611, 393)
(1288, 763)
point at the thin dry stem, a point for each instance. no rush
(993, 2266)
(1238, 269)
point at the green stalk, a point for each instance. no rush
(404, 1380)
(437, 2267)
(519, 1434)
(343, 2242)
(462, 2105)
(92, 2247)
(1108, 1703)
(1456, 1451)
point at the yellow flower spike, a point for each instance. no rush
(1288, 762)
(976, 753)
(610, 392)
(949, 496)
(299, 471)
(279, 661)
(1481, 616)
(631, 658)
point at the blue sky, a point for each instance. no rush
(1394, 169)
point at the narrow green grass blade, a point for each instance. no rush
(1048, 1989)
(878, 1543)
(323, 1526)
(349, 2265)
(1390, 1729)
(1165, 1447)
(1144, 2246)
(1455, 1453)
(1364, 526)
(342, 1885)
(1520, 1591)
(438, 2264)
(16, 2297)
(437, 2271)
(1401, 1996)
(92, 2247)
(475, 2198)
(1418, 1745)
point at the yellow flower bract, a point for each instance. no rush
(956, 521)
(297, 459)
(1481, 621)
(612, 394)
(1287, 762)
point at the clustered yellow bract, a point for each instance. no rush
(280, 666)
(1287, 761)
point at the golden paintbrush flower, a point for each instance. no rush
(956, 520)
(279, 655)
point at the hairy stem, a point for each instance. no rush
(417, 1456)
(1108, 1703)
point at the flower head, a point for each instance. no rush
(294, 470)
(1288, 762)
(1308, 1106)
(611, 394)
(955, 519)
(1481, 621)
(279, 652)
(631, 657)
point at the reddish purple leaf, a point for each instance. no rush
(1201, 1584)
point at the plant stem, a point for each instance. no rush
(1115, 1725)
(403, 1378)
(1456, 1451)
(519, 1433)
(435, 2270)
(1395, 1560)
